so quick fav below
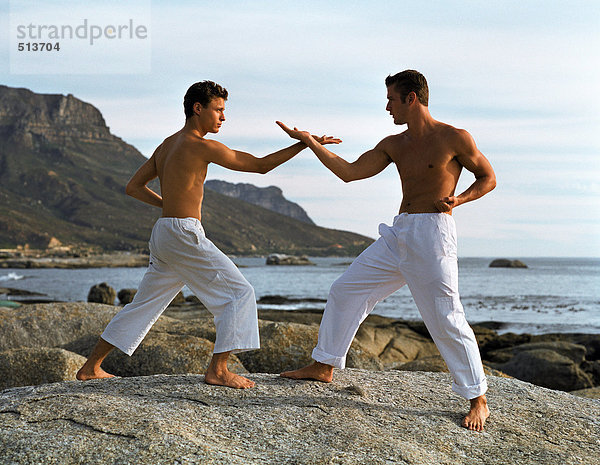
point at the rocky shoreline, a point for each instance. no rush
(181, 342)
(392, 405)
(34, 259)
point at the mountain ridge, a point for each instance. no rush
(270, 197)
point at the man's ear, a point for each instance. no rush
(197, 108)
(412, 97)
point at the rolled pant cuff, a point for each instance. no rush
(328, 359)
(127, 349)
(235, 350)
(471, 392)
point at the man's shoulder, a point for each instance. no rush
(192, 143)
(394, 139)
(447, 130)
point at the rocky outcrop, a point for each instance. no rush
(30, 366)
(54, 118)
(590, 393)
(52, 325)
(556, 365)
(284, 346)
(505, 263)
(102, 294)
(275, 299)
(103, 260)
(283, 259)
(361, 417)
(126, 295)
(270, 198)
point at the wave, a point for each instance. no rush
(11, 277)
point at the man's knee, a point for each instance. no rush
(247, 292)
(339, 288)
(449, 320)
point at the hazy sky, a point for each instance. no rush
(521, 76)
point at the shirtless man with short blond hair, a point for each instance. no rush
(180, 253)
(419, 250)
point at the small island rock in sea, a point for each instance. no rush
(505, 263)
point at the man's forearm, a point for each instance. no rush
(273, 160)
(478, 189)
(145, 195)
(335, 164)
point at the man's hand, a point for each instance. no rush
(446, 204)
(304, 136)
(324, 140)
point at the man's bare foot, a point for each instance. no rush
(316, 370)
(85, 373)
(227, 378)
(478, 414)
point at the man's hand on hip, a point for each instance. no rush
(446, 204)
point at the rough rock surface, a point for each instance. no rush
(362, 417)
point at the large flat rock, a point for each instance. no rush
(362, 417)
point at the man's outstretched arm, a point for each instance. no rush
(137, 185)
(469, 156)
(242, 161)
(368, 164)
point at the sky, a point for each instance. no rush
(520, 76)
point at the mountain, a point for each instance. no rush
(63, 175)
(270, 198)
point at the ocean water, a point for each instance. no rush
(552, 295)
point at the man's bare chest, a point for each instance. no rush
(422, 160)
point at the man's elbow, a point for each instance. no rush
(130, 189)
(263, 167)
(492, 182)
(347, 177)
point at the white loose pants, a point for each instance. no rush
(418, 250)
(180, 254)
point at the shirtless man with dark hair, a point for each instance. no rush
(180, 253)
(419, 249)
